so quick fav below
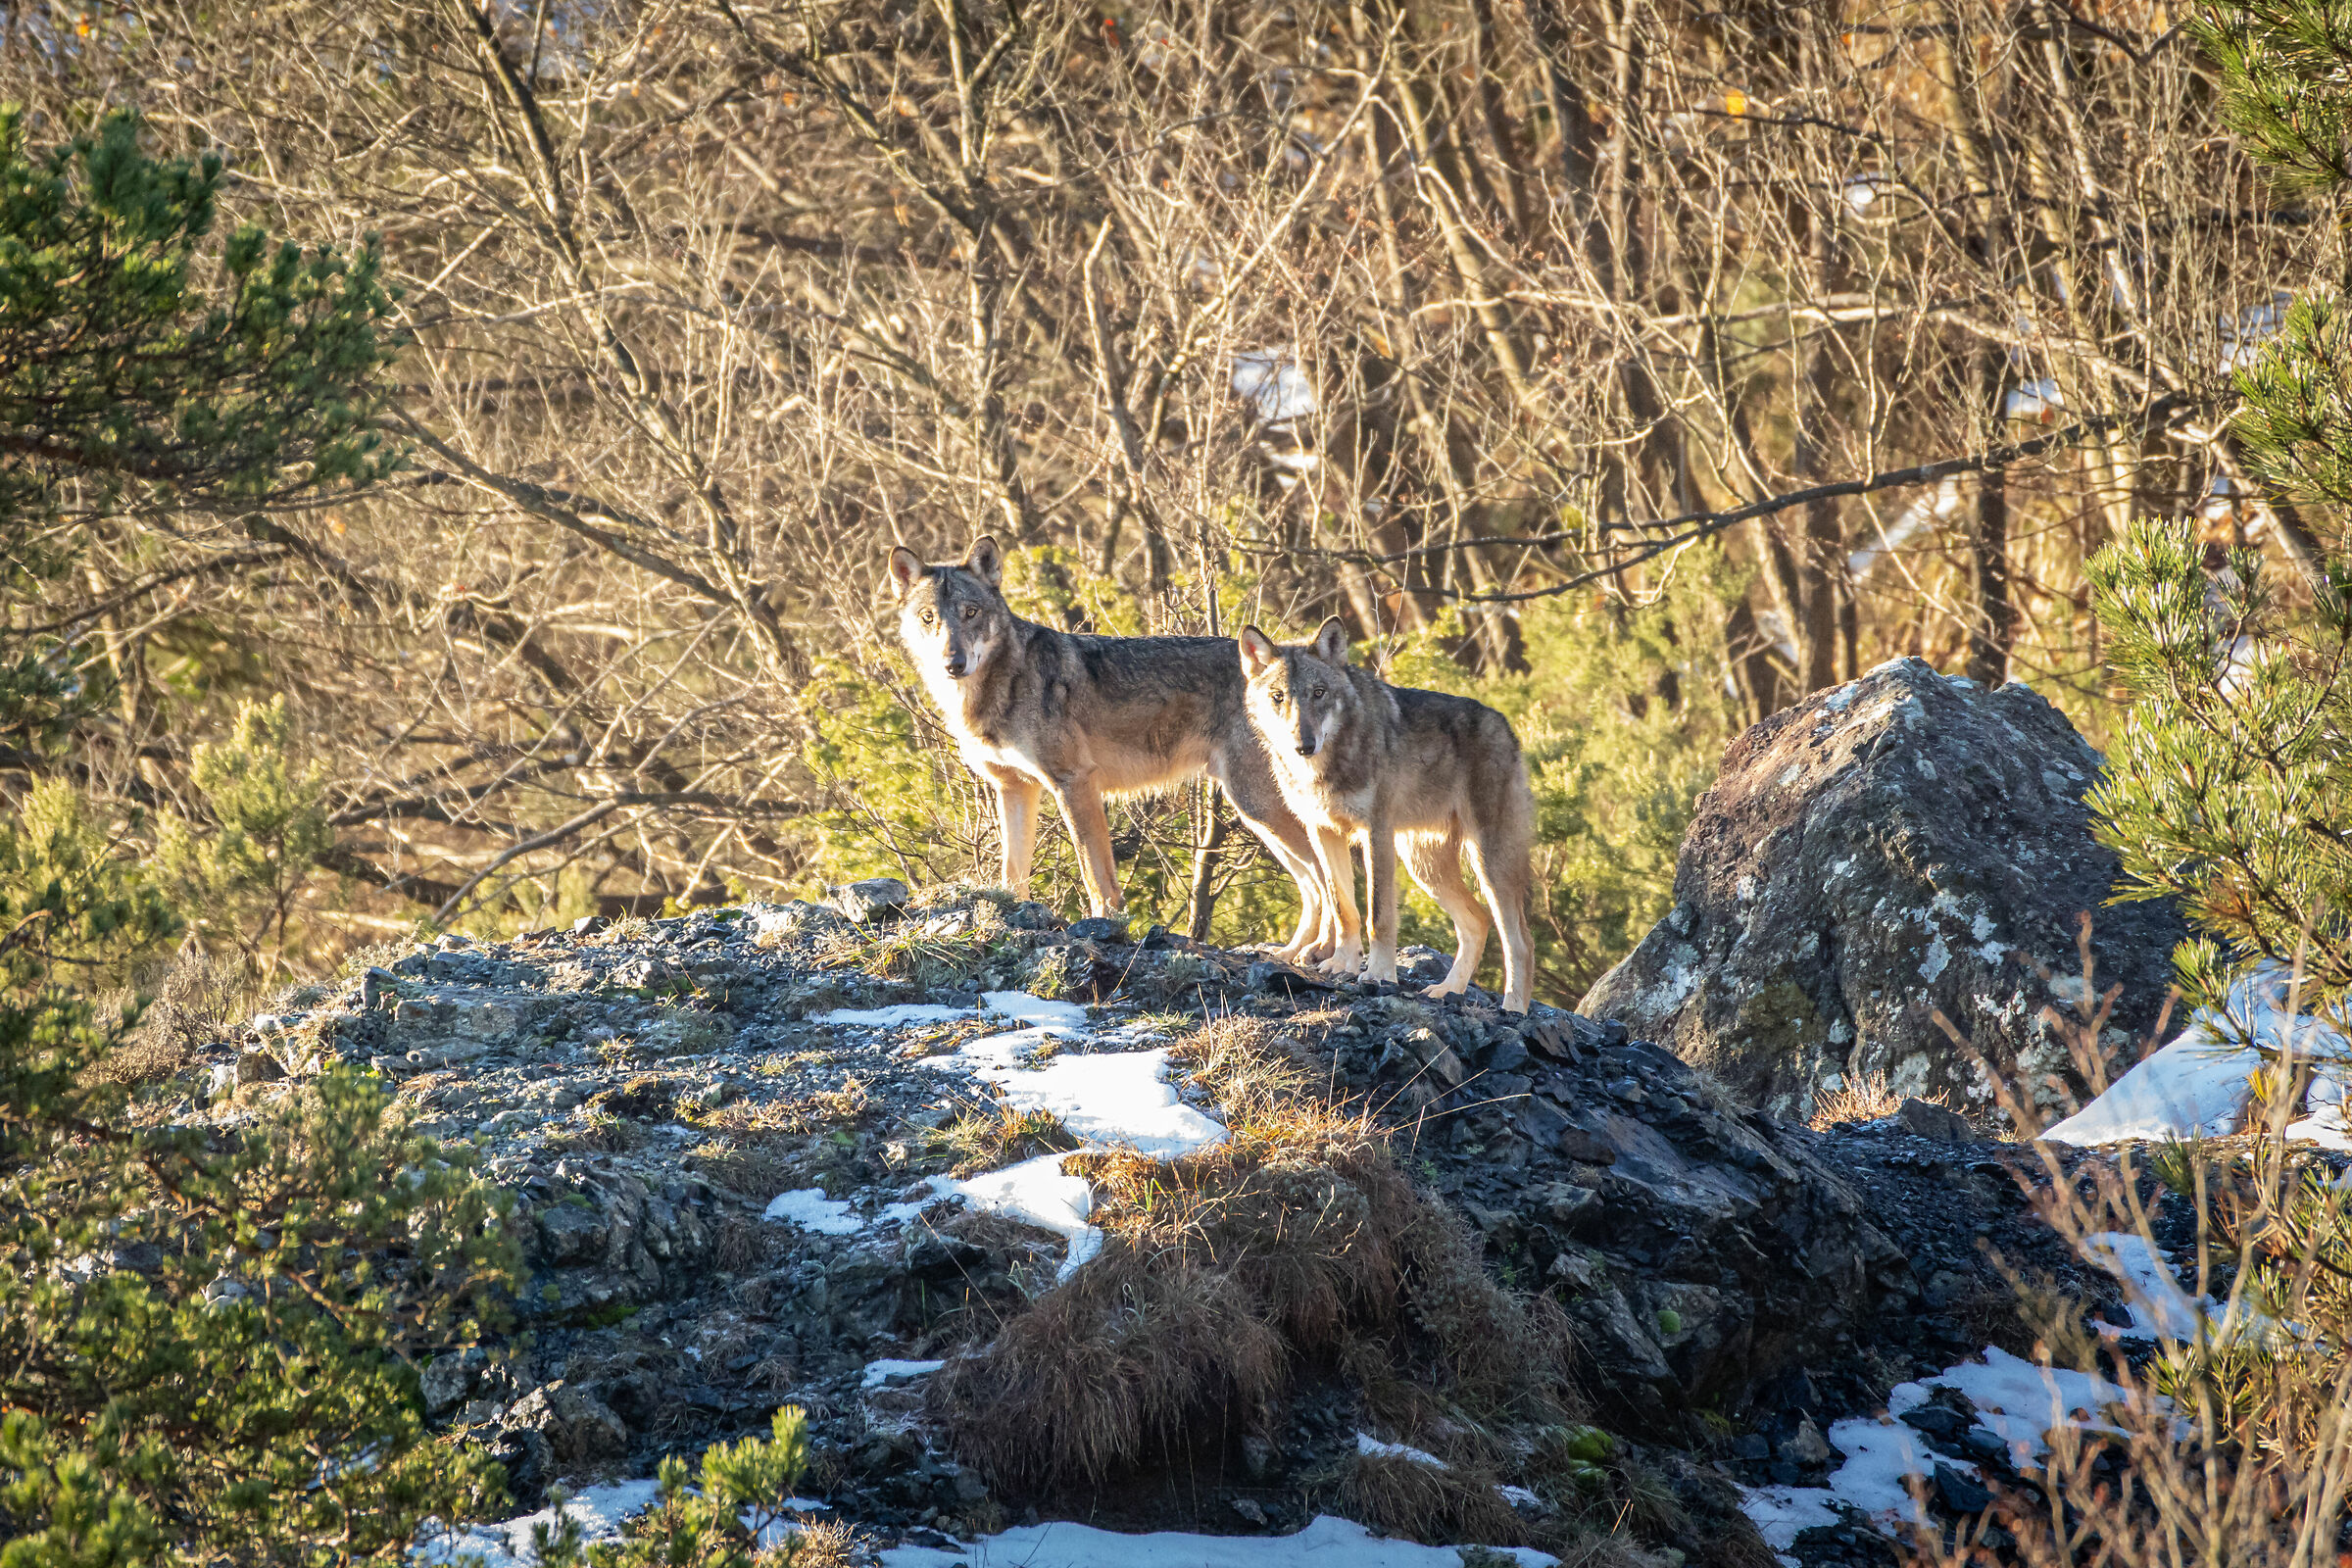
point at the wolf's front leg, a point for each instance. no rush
(1339, 891)
(1016, 813)
(1081, 803)
(1380, 847)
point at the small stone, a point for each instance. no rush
(1260, 1456)
(1807, 1447)
(446, 1383)
(1751, 1446)
(1935, 1123)
(1583, 1146)
(866, 900)
(1568, 1204)
(258, 1067)
(1248, 1509)
(1099, 928)
(588, 925)
(1031, 915)
(1960, 1493)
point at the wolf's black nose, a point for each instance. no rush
(955, 667)
(1307, 748)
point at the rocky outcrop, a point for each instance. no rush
(1899, 845)
(642, 1092)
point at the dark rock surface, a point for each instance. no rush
(1900, 845)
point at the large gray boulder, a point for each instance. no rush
(1903, 844)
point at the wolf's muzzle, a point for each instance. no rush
(956, 668)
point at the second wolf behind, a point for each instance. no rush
(1403, 770)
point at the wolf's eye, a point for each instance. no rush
(926, 619)
(972, 612)
(1318, 691)
(1278, 696)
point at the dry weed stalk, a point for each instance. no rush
(2232, 1445)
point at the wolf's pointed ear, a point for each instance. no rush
(1331, 642)
(905, 568)
(1257, 651)
(986, 561)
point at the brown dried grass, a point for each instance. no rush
(1298, 1240)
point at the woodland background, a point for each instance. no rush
(1635, 367)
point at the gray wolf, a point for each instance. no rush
(1402, 770)
(1036, 711)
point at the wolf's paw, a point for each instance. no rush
(1342, 964)
(1448, 987)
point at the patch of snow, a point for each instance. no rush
(1519, 1497)
(896, 1016)
(1906, 527)
(811, 1210)
(934, 1189)
(2156, 1302)
(2197, 1084)
(1371, 1447)
(1327, 1543)
(2327, 1125)
(1022, 1008)
(1037, 1193)
(1938, 956)
(878, 1373)
(599, 1511)
(2017, 1399)
(1120, 1097)
(2243, 333)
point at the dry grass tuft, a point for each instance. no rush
(813, 1113)
(599, 1132)
(1400, 1496)
(828, 1544)
(1297, 1239)
(1866, 1097)
(200, 1003)
(985, 1140)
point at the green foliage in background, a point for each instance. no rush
(718, 1521)
(241, 869)
(2229, 784)
(134, 355)
(205, 1333)
(1624, 710)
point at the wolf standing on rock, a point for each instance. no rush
(1034, 710)
(1400, 769)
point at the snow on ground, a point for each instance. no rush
(1371, 1447)
(1328, 1543)
(896, 1016)
(2155, 1299)
(599, 1511)
(2016, 1399)
(811, 1210)
(2197, 1084)
(878, 1373)
(1105, 1099)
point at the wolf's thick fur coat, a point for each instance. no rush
(1399, 770)
(1037, 712)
